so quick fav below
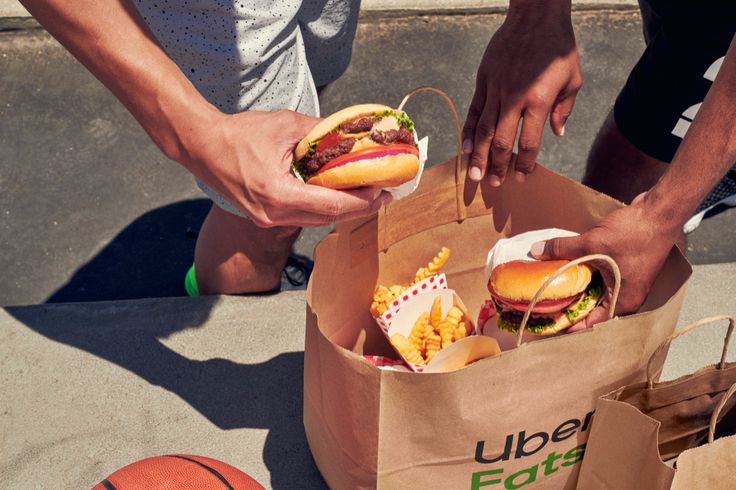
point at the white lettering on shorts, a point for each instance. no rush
(683, 124)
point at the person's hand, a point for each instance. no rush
(247, 159)
(636, 238)
(530, 70)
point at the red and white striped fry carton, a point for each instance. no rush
(432, 283)
(453, 357)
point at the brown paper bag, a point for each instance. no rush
(712, 466)
(518, 418)
(638, 427)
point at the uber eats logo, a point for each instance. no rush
(523, 445)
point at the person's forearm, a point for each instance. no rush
(706, 153)
(111, 39)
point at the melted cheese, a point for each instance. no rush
(364, 143)
(386, 124)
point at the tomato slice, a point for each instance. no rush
(373, 152)
(330, 140)
(544, 306)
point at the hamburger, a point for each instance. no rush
(362, 145)
(566, 301)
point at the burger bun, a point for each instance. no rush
(386, 171)
(519, 280)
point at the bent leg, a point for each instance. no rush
(235, 256)
(617, 168)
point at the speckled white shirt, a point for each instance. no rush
(256, 54)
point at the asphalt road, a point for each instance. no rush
(90, 209)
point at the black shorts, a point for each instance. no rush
(686, 42)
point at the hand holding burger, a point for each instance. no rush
(638, 237)
(513, 278)
(363, 145)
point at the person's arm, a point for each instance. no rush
(530, 72)
(639, 237)
(245, 157)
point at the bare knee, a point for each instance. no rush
(234, 256)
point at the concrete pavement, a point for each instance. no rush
(88, 388)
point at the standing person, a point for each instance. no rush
(647, 147)
(226, 89)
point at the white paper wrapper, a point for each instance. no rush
(407, 188)
(463, 352)
(518, 247)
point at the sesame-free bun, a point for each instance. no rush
(562, 323)
(387, 171)
(334, 120)
(519, 280)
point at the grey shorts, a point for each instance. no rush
(256, 54)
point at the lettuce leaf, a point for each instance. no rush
(509, 327)
(593, 293)
(300, 169)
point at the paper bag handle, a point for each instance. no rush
(459, 202)
(717, 412)
(684, 330)
(588, 258)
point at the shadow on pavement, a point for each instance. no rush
(148, 259)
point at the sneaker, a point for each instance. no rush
(296, 273)
(723, 194)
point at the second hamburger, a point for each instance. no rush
(566, 301)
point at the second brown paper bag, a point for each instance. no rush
(640, 426)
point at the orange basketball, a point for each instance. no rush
(178, 471)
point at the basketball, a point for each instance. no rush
(178, 471)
